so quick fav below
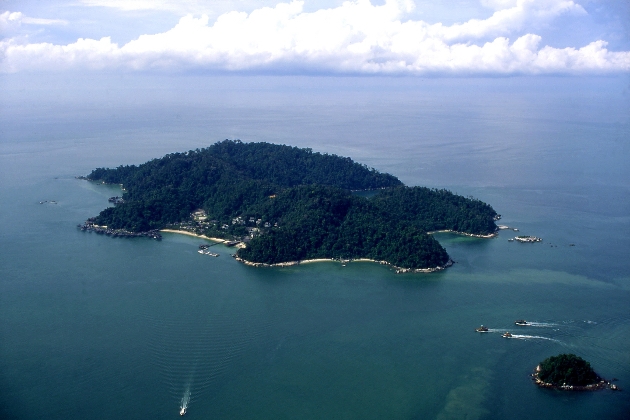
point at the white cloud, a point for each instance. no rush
(356, 37)
(40, 21)
(128, 5)
(498, 4)
(11, 21)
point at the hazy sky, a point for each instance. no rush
(431, 37)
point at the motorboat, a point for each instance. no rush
(207, 252)
(507, 335)
(182, 411)
(521, 322)
(482, 329)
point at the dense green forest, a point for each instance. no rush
(567, 369)
(291, 204)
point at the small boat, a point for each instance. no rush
(482, 329)
(206, 252)
(507, 335)
(182, 411)
(521, 322)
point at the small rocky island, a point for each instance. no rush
(284, 205)
(569, 372)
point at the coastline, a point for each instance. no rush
(398, 270)
(316, 260)
(488, 236)
(183, 232)
(601, 384)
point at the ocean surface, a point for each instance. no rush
(93, 327)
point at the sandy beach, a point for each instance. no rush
(491, 235)
(316, 260)
(398, 270)
(183, 232)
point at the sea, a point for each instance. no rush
(94, 327)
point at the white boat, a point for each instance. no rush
(182, 411)
(206, 252)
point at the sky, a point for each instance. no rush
(436, 38)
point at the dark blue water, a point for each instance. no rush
(96, 327)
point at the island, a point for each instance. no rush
(569, 372)
(284, 205)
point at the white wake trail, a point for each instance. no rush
(532, 337)
(185, 401)
(541, 324)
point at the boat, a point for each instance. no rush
(507, 335)
(521, 322)
(482, 329)
(182, 411)
(206, 252)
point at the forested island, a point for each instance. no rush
(290, 204)
(569, 372)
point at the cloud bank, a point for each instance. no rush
(354, 38)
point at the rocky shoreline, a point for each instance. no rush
(89, 226)
(602, 384)
(397, 270)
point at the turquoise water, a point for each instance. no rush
(97, 327)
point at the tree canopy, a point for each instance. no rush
(567, 369)
(293, 204)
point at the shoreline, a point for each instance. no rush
(488, 236)
(183, 232)
(601, 384)
(397, 270)
(316, 260)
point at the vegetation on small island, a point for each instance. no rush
(567, 369)
(290, 204)
(569, 372)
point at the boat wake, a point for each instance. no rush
(194, 347)
(541, 324)
(185, 401)
(532, 337)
